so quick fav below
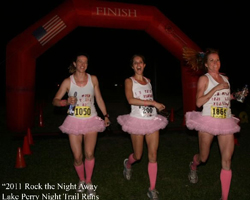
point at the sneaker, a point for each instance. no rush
(192, 176)
(90, 190)
(81, 186)
(153, 194)
(127, 173)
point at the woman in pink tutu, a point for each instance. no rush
(215, 119)
(142, 122)
(82, 123)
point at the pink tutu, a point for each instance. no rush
(138, 126)
(208, 124)
(76, 126)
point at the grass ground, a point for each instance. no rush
(51, 162)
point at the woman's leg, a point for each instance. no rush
(89, 149)
(205, 141)
(226, 144)
(76, 147)
(137, 143)
(152, 141)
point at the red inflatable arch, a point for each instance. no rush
(24, 49)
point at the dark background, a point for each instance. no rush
(209, 24)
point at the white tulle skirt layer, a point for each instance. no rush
(133, 125)
(214, 126)
(77, 126)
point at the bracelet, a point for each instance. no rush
(63, 103)
(107, 115)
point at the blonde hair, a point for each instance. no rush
(197, 59)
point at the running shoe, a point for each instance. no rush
(192, 176)
(90, 190)
(153, 194)
(81, 186)
(127, 173)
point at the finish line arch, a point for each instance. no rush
(24, 49)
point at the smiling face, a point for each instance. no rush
(138, 65)
(213, 62)
(81, 63)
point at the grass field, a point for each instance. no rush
(51, 163)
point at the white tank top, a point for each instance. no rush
(84, 107)
(143, 92)
(218, 105)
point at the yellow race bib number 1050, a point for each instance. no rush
(82, 111)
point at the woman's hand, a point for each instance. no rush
(222, 86)
(72, 100)
(107, 121)
(159, 106)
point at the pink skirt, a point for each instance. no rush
(133, 125)
(76, 126)
(208, 124)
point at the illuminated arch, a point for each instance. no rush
(24, 49)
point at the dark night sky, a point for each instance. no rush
(222, 26)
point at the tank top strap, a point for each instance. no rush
(72, 79)
(224, 78)
(211, 79)
(209, 76)
(146, 79)
(135, 81)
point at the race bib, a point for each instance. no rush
(218, 112)
(146, 111)
(82, 111)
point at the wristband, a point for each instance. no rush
(107, 115)
(63, 103)
(235, 95)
